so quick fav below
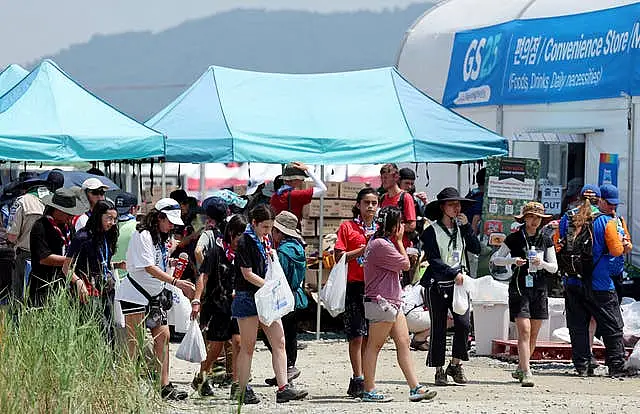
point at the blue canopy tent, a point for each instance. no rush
(10, 76)
(361, 117)
(47, 116)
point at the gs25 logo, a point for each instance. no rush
(481, 57)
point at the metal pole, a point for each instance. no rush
(203, 182)
(164, 179)
(128, 187)
(320, 254)
(630, 171)
(459, 177)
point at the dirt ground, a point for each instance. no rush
(326, 370)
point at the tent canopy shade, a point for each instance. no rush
(10, 76)
(361, 117)
(47, 116)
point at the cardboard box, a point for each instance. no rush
(333, 189)
(308, 227)
(305, 211)
(330, 226)
(346, 208)
(311, 278)
(350, 190)
(331, 208)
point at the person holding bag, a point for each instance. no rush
(253, 256)
(143, 296)
(353, 236)
(532, 256)
(384, 262)
(446, 244)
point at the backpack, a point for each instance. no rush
(575, 257)
(414, 235)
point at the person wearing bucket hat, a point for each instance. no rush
(49, 239)
(291, 196)
(532, 255)
(143, 294)
(446, 244)
(290, 248)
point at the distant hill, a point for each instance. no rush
(141, 72)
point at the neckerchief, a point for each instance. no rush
(283, 189)
(264, 245)
(453, 236)
(363, 226)
(228, 251)
(66, 237)
(163, 251)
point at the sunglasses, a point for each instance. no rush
(98, 192)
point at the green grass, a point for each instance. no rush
(56, 360)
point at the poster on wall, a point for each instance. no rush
(511, 183)
(551, 198)
(608, 169)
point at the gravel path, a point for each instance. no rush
(325, 374)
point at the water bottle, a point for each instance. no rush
(532, 254)
(181, 265)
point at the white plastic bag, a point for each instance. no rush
(118, 316)
(180, 313)
(274, 299)
(192, 348)
(461, 297)
(334, 292)
(634, 359)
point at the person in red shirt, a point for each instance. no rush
(389, 176)
(290, 196)
(353, 236)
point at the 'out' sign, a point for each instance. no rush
(552, 199)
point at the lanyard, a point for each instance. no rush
(163, 251)
(104, 261)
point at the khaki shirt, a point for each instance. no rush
(28, 209)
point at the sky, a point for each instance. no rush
(34, 28)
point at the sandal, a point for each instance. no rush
(421, 393)
(375, 396)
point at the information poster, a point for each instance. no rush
(551, 198)
(608, 169)
(511, 183)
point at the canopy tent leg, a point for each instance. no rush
(320, 254)
(459, 177)
(203, 189)
(128, 187)
(164, 179)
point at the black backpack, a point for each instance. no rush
(575, 257)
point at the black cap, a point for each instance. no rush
(55, 180)
(179, 195)
(124, 201)
(216, 208)
(407, 174)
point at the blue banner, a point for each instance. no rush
(568, 58)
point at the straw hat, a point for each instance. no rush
(534, 208)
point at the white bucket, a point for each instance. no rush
(490, 321)
(556, 320)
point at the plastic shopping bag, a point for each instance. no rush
(180, 313)
(118, 316)
(334, 292)
(634, 359)
(192, 348)
(274, 299)
(461, 297)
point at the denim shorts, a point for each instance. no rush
(243, 305)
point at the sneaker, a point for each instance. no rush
(206, 388)
(170, 392)
(197, 381)
(356, 387)
(289, 393)
(620, 372)
(441, 377)
(593, 364)
(250, 396)
(527, 379)
(292, 373)
(301, 346)
(517, 374)
(421, 393)
(582, 372)
(419, 345)
(457, 373)
(375, 396)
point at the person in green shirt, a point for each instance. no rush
(127, 207)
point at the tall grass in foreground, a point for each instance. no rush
(56, 360)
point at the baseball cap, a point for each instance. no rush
(216, 208)
(171, 208)
(590, 190)
(407, 174)
(93, 184)
(252, 185)
(179, 195)
(124, 201)
(609, 192)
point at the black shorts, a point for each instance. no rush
(532, 304)
(221, 327)
(153, 316)
(355, 324)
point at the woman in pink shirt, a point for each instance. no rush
(384, 262)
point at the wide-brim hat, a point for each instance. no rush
(291, 172)
(65, 200)
(532, 208)
(287, 223)
(433, 210)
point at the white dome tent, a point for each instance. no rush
(568, 135)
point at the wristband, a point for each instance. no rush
(174, 281)
(195, 302)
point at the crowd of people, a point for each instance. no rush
(111, 258)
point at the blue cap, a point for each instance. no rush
(592, 188)
(609, 192)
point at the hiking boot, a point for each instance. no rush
(206, 388)
(621, 372)
(292, 373)
(527, 379)
(301, 346)
(457, 373)
(582, 372)
(170, 392)
(593, 364)
(289, 393)
(441, 377)
(250, 396)
(356, 387)
(517, 374)
(197, 381)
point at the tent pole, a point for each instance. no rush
(128, 179)
(164, 179)
(460, 177)
(203, 171)
(320, 254)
